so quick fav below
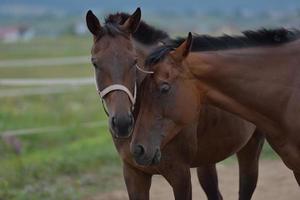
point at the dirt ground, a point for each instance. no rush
(275, 182)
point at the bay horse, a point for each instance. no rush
(120, 47)
(260, 83)
(117, 47)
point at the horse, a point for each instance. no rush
(115, 56)
(258, 81)
(119, 49)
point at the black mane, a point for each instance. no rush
(145, 33)
(262, 37)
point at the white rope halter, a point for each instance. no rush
(120, 87)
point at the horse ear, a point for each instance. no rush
(181, 52)
(133, 22)
(93, 23)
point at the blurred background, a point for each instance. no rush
(54, 142)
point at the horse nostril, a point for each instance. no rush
(114, 121)
(131, 119)
(157, 157)
(138, 150)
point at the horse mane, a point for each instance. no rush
(145, 33)
(249, 38)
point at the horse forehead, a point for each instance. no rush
(115, 43)
(165, 71)
(114, 53)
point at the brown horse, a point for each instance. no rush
(118, 49)
(260, 84)
(115, 52)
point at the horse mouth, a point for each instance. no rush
(146, 161)
(118, 136)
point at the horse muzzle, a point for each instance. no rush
(122, 126)
(144, 158)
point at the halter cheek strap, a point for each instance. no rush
(143, 70)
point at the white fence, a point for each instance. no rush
(48, 86)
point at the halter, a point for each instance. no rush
(144, 71)
(120, 87)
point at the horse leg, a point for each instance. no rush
(137, 183)
(297, 176)
(180, 180)
(208, 179)
(248, 158)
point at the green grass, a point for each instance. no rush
(65, 164)
(71, 108)
(46, 48)
(68, 71)
(71, 163)
(78, 166)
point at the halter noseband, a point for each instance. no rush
(120, 87)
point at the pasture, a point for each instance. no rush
(74, 160)
(79, 153)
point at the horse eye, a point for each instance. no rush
(165, 88)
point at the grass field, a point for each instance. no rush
(46, 48)
(66, 71)
(71, 163)
(68, 164)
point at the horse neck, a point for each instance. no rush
(242, 81)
